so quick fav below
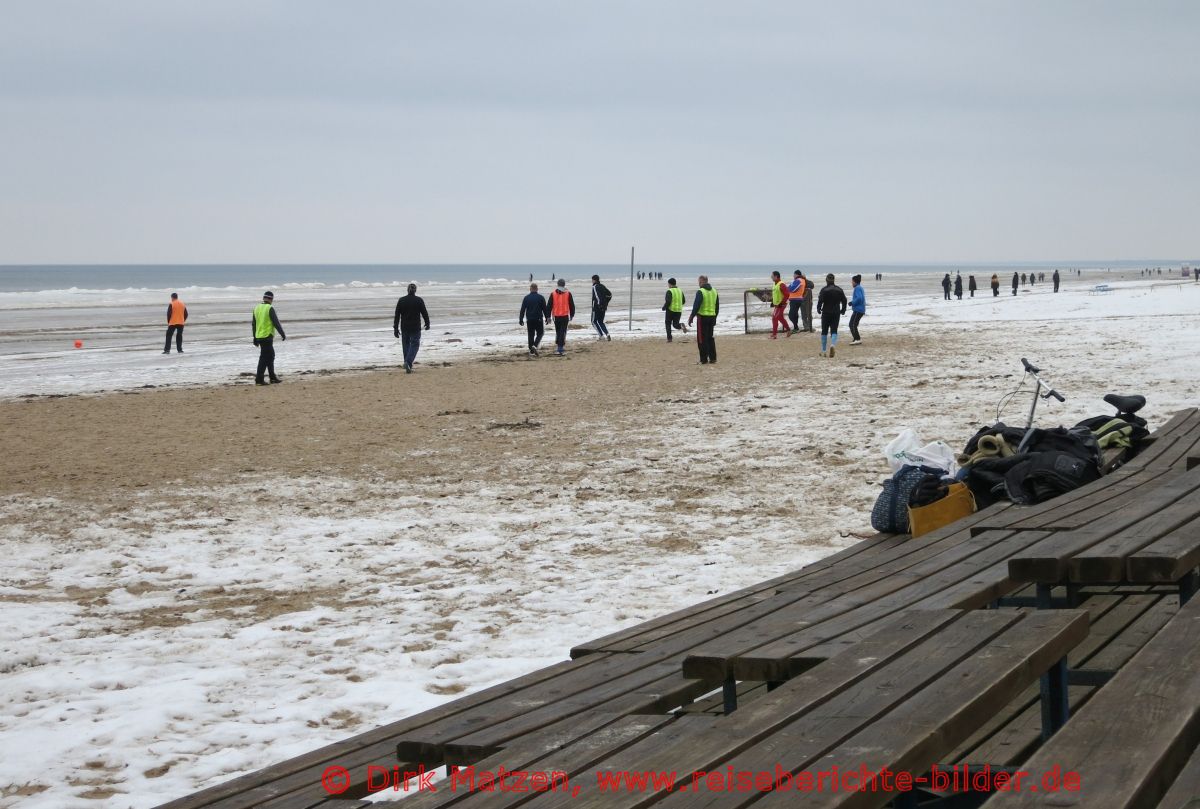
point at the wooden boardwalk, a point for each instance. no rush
(894, 653)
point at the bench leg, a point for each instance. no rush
(1055, 703)
(1045, 600)
(729, 692)
(1188, 586)
(905, 800)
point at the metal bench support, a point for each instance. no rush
(1056, 706)
(729, 692)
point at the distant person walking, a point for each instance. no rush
(705, 305)
(177, 316)
(995, 285)
(600, 298)
(673, 306)
(971, 285)
(1056, 278)
(831, 305)
(534, 315)
(1032, 278)
(779, 296)
(410, 311)
(945, 287)
(263, 325)
(562, 309)
(1016, 279)
(796, 290)
(858, 307)
(958, 286)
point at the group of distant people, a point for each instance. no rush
(653, 276)
(1018, 279)
(797, 295)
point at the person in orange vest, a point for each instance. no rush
(796, 290)
(176, 318)
(562, 309)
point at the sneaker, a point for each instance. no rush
(166, 352)
(832, 349)
(276, 381)
(259, 382)
(856, 342)
(822, 353)
(407, 369)
(669, 340)
(179, 351)
(608, 337)
(559, 351)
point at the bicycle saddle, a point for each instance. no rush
(1126, 404)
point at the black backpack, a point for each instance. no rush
(889, 515)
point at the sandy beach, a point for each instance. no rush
(204, 580)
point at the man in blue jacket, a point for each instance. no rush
(858, 305)
(534, 316)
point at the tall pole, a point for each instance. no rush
(631, 289)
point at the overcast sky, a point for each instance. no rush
(566, 131)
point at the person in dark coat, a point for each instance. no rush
(406, 325)
(946, 287)
(1056, 278)
(995, 285)
(534, 316)
(831, 305)
(1016, 280)
(958, 285)
(971, 285)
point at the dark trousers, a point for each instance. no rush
(829, 323)
(535, 329)
(794, 313)
(598, 322)
(1014, 289)
(705, 339)
(854, 318)
(178, 332)
(995, 292)
(410, 344)
(266, 358)
(806, 311)
(1056, 286)
(674, 322)
(560, 331)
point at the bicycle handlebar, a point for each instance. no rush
(1029, 369)
(1056, 395)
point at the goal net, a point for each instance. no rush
(756, 310)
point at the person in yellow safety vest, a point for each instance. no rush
(673, 306)
(263, 325)
(562, 309)
(796, 290)
(779, 297)
(705, 305)
(176, 316)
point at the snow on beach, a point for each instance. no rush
(168, 641)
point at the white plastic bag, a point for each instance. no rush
(906, 450)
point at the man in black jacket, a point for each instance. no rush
(534, 316)
(600, 298)
(831, 305)
(406, 325)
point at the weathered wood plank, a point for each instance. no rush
(1136, 735)
(1168, 558)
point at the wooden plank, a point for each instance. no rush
(1136, 735)
(1168, 558)
(929, 724)
(957, 585)
(1047, 562)
(1185, 792)
(233, 793)
(1107, 560)
(547, 752)
(1113, 639)
(832, 702)
(629, 638)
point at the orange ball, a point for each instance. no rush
(79, 343)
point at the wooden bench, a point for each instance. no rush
(1137, 735)
(901, 699)
(1157, 541)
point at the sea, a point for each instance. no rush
(68, 329)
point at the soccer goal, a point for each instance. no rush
(756, 310)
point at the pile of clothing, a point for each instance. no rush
(1050, 463)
